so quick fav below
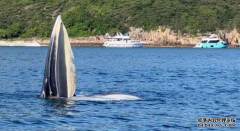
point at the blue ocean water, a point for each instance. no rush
(177, 86)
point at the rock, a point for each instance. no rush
(231, 37)
(162, 37)
(165, 37)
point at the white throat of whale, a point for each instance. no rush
(60, 75)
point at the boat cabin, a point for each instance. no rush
(210, 40)
(118, 37)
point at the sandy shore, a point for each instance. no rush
(92, 43)
(78, 43)
(19, 43)
(11, 43)
(46, 43)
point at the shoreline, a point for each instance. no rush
(90, 44)
(160, 38)
(98, 43)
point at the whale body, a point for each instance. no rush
(106, 97)
(60, 73)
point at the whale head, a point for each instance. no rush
(60, 74)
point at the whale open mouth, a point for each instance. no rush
(60, 73)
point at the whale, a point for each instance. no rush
(60, 80)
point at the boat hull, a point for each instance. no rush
(212, 45)
(124, 45)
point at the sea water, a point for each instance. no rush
(177, 86)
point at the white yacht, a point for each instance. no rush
(122, 41)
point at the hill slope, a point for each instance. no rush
(35, 18)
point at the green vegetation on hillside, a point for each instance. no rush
(35, 18)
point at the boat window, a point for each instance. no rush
(212, 46)
(213, 41)
(204, 41)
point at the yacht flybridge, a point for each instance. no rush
(122, 41)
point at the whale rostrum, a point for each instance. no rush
(60, 73)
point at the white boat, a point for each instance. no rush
(122, 41)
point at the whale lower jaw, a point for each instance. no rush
(107, 97)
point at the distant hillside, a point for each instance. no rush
(35, 18)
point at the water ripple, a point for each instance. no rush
(176, 89)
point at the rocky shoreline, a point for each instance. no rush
(160, 38)
(100, 44)
(165, 37)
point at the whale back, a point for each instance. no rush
(60, 74)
